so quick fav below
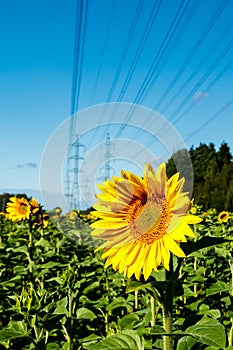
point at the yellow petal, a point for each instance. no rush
(173, 246)
(165, 254)
(141, 260)
(110, 224)
(192, 219)
(150, 263)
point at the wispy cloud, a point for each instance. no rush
(28, 165)
(199, 94)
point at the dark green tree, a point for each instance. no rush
(213, 174)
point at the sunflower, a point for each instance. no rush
(35, 206)
(224, 216)
(193, 210)
(142, 220)
(73, 215)
(43, 220)
(18, 209)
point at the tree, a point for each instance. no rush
(213, 174)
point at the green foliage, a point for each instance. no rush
(206, 331)
(127, 339)
(56, 294)
(212, 174)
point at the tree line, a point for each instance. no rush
(212, 174)
(208, 173)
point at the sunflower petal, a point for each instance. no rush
(173, 246)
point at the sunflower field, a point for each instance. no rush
(56, 293)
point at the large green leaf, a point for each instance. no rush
(133, 286)
(15, 329)
(85, 314)
(155, 288)
(129, 321)
(61, 307)
(116, 303)
(218, 287)
(127, 339)
(186, 343)
(206, 331)
(91, 287)
(53, 346)
(205, 242)
(42, 243)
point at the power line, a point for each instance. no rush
(188, 60)
(148, 27)
(144, 38)
(208, 121)
(204, 77)
(207, 89)
(72, 164)
(126, 48)
(147, 80)
(179, 34)
(202, 80)
(123, 56)
(103, 51)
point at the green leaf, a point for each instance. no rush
(15, 329)
(222, 252)
(90, 339)
(124, 340)
(214, 313)
(230, 314)
(61, 307)
(205, 242)
(11, 282)
(90, 288)
(155, 288)
(157, 330)
(31, 320)
(186, 343)
(129, 321)
(58, 280)
(53, 346)
(85, 314)
(20, 270)
(117, 302)
(132, 286)
(207, 331)
(50, 321)
(218, 287)
(21, 249)
(50, 265)
(42, 243)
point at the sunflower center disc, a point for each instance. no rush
(23, 209)
(149, 222)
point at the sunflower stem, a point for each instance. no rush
(136, 299)
(152, 303)
(230, 335)
(168, 307)
(42, 259)
(195, 262)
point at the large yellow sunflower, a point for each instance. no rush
(18, 209)
(142, 220)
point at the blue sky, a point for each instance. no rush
(36, 55)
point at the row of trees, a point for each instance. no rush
(212, 174)
(208, 173)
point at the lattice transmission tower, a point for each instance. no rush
(76, 150)
(107, 169)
